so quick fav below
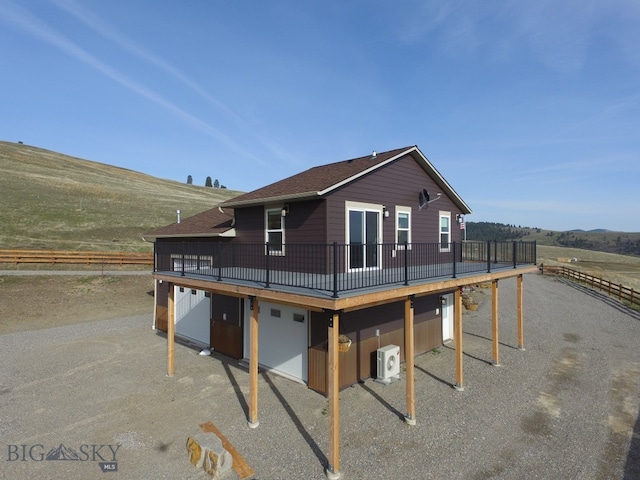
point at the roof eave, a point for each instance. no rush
(231, 233)
(440, 180)
(267, 200)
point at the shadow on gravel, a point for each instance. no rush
(236, 386)
(324, 461)
(386, 404)
(632, 465)
(434, 377)
(485, 338)
(611, 301)
(469, 355)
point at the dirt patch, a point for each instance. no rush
(33, 303)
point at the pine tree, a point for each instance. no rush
(207, 183)
(189, 180)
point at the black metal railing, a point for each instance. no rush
(336, 268)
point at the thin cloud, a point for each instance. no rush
(102, 28)
(30, 24)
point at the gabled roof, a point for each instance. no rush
(211, 223)
(319, 181)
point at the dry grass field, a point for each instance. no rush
(622, 269)
(54, 201)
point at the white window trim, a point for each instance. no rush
(399, 210)
(440, 217)
(267, 230)
(363, 207)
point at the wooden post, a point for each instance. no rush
(410, 417)
(171, 328)
(457, 333)
(520, 312)
(253, 363)
(494, 322)
(333, 374)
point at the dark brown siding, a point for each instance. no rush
(359, 363)
(305, 223)
(162, 303)
(398, 183)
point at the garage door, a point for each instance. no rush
(282, 339)
(192, 315)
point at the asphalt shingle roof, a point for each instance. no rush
(315, 180)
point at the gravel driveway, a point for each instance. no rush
(565, 408)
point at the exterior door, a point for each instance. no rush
(447, 318)
(364, 239)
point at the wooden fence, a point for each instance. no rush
(623, 293)
(75, 257)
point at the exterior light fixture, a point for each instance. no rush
(285, 210)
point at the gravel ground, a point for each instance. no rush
(565, 408)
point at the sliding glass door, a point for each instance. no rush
(364, 239)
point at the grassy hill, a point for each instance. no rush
(53, 201)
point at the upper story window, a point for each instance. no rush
(274, 232)
(445, 231)
(403, 226)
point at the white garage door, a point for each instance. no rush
(192, 315)
(282, 339)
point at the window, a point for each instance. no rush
(274, 233)
(445, 231)
(403, 226)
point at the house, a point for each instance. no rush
(366, 250)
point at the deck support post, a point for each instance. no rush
(253, 363)
(171, 328)
(457, 333)
(333, 376)
(520, 311)
(409, 358)
(494, 322)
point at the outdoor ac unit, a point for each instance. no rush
(388, 363)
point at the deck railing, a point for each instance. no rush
(336, 268)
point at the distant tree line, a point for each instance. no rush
(491, 231)
(622, 245)
(207, 182)
(602, 241)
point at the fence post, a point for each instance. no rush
(406, 263)
(453, 251)
(515, 254)
(182, 257)
(266, 265)
(488, 256)
(335, 269)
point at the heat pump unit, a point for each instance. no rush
(388, 363)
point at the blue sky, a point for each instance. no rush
(531, 110)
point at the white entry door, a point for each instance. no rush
(447, 318)
(282, 339)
